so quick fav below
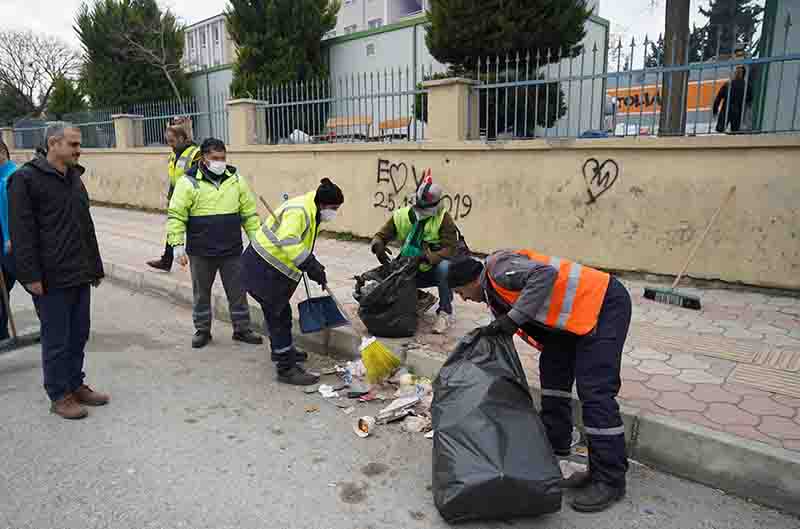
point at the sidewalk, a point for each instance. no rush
(733, 367)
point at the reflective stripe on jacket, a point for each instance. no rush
(287, 243)
(430, 233)
(574, 301)
(179, 166)
(208, 215)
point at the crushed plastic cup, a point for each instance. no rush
(364, 426)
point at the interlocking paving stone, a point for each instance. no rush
(698, 376)
(780, 428)
(766, 406)
(787, 401)
(792, 445)
(637, 391)
(697, 418)
(748, 432)
(663, 339)
(667, 383)
(743, 389)
(675, 401)
(633, 374)
(714, 393)
(767, 379)
(687, 361)
(647, 353)
(779, 359)
(728, 414)
(656, 367)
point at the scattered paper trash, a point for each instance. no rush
(398, 409)
(312, 409)
(364, 426)
(348, 411)
(327, 391)
(429, 435)
(416, 424)
(569, 468)
(310, 390)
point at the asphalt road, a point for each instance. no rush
(208, 439)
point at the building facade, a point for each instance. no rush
(208, 45)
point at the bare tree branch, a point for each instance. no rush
(138, 45)
(31, 63)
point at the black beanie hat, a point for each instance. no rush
(463, 270)
(329, 193)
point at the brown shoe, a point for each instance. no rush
(68, 408)
(86, 395)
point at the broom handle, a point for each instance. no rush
(703, 238)
(271, 212)
(7, 303)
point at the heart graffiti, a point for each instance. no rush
(395, 171)
(597, 180)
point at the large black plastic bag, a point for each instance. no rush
(491, 456)
(389, 309)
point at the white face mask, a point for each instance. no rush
(218, 168)
(327, 215)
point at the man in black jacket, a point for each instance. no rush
(57, 259)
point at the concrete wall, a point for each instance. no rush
(659, 196)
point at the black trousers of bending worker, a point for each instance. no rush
(204, 272)
(593, 362)
(168, 256)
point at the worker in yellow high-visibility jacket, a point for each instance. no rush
(278, 256)
(183, 157)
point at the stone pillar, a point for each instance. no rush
(128, 131)
(452, 110)
(242, 122)
(7, 135)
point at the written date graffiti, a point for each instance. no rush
(399, 177)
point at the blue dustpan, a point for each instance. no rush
(320, 313)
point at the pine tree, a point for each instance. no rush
(461, 31)
(732, 24)
(114, 76)
(65, 99)
(278, 41)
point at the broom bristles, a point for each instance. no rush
(378, 360)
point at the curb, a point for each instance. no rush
(750, 469)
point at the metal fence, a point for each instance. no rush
(568, 96)
(208, 114)
(385, 106)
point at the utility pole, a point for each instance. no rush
(676, 47)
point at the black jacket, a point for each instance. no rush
(51, 227)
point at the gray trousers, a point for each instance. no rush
(204, 272)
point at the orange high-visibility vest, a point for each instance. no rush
(575, 301)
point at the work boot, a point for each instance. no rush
(443, 323)
(68, 408)
(597, 496)
(299, 356)
(424, 302)
(201, 339)
(248, 337)
(578, 480)
(159, 264)
(86, 395)
(297, 376)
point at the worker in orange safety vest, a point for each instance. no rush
(580, 318)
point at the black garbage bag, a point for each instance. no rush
(491, 456)
(387, 298)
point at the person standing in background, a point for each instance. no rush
(57, 260)
(7, 167)
(183, 157)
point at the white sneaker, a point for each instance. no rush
(443, 323)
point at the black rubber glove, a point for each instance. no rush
(502, 325)
(380, 250)
(315, 271)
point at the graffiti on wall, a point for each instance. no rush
(599, 177)
(397, 183)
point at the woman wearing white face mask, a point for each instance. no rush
(210, 206)
(275, 262)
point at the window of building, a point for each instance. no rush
(375, 23)
(350, 29)
(191, 44)
(349, 2)
(215, 29)
(203, 39)
(371, 49)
